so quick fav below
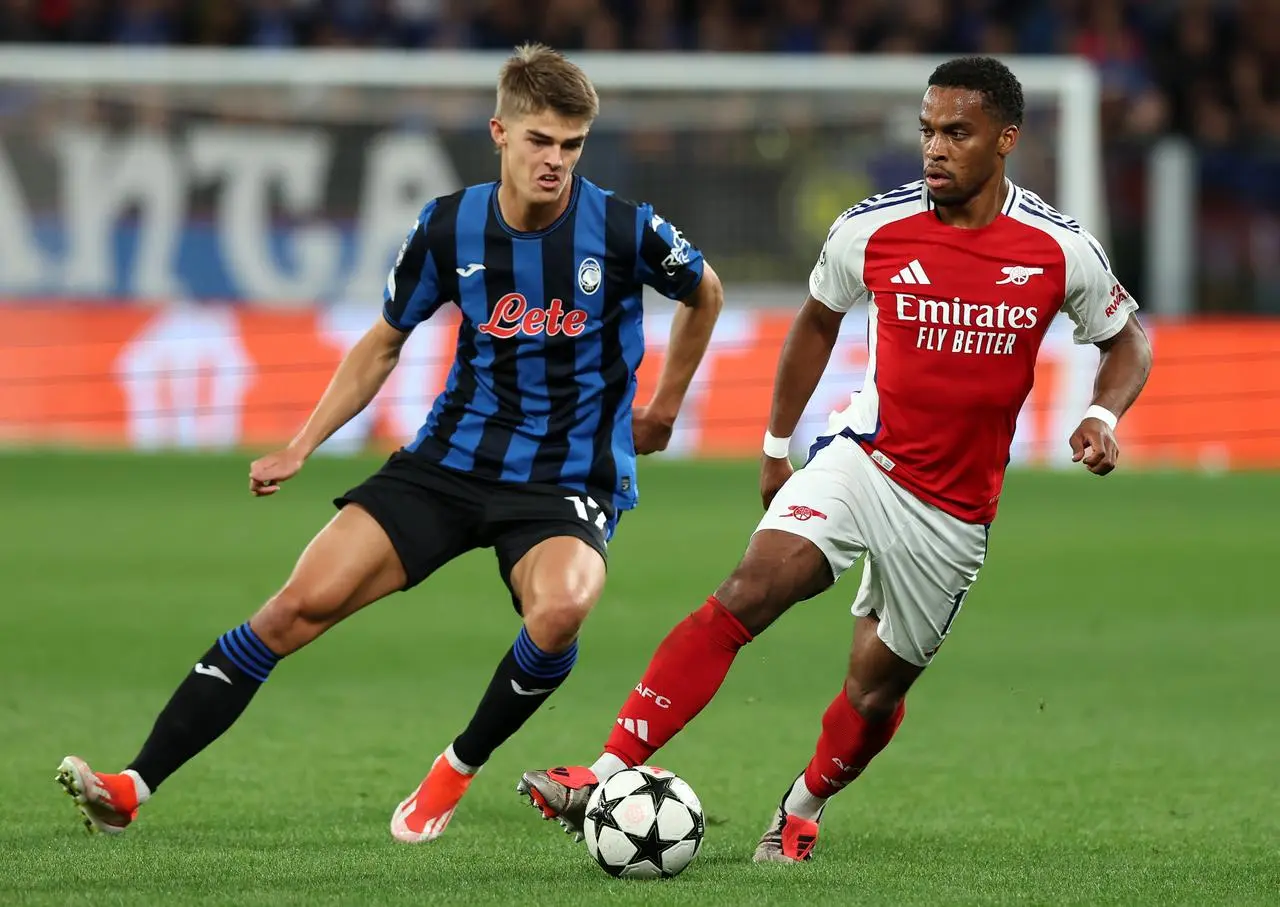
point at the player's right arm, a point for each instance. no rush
(411, 296)
(357, 380)
(834, 286)
(805, 355)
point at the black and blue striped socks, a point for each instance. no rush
(206, 703)
(525, 678)
(247, 652)
(219, 687)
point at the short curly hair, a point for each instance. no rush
(1001, 90)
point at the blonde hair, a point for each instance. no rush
(536, 78)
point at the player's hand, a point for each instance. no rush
(774, 472)
(651, 429)
(266, 473)
(1093, 444)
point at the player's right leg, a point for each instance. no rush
(805, 541)
(778, 570)
(349, 564)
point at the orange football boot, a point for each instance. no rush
(424, 814)
(107, 802)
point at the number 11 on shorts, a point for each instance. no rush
(584, 513)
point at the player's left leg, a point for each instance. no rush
(555, 569)
(856, 726)
(906, 605)
(557, 583)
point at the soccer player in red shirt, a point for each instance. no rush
(961, 274)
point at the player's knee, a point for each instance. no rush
(874, 703)
(294, 616)
(777, 571)
(553, 620)
(748, 595)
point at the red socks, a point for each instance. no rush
(846, 746)
(683, 676)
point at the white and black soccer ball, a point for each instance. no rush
(644, 823)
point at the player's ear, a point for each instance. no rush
(1008, 139)
(498, 132)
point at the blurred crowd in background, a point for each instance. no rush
(1206, 68)
(270, 215)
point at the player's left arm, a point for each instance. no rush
(675, 268)
(1103, 313)
(691, 330)
(1122, 372)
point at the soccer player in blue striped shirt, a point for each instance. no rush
(530, 450)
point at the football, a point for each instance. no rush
(644, 823)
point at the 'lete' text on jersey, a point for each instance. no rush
(956, 317)
(544, 379)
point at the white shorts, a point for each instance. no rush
(922, 560)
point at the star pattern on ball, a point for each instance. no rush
(658, 788)
(699, 826)
(649, 848)
(602, 815)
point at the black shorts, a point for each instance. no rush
(432, 514)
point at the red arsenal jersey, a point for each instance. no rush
(955, 319)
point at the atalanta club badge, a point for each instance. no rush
(589, 275)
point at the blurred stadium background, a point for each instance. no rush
(199, 202)
(201, 199)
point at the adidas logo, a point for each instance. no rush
(637, 726)
(912, 273)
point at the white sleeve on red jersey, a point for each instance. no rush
(1095, 300)
(836, 280)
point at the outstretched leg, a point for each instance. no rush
(778, 570)
(349, 564)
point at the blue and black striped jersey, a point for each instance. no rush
(543, 383)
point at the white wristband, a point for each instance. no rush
(778, 448)
(1103, 415)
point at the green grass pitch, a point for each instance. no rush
(1101, 728)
